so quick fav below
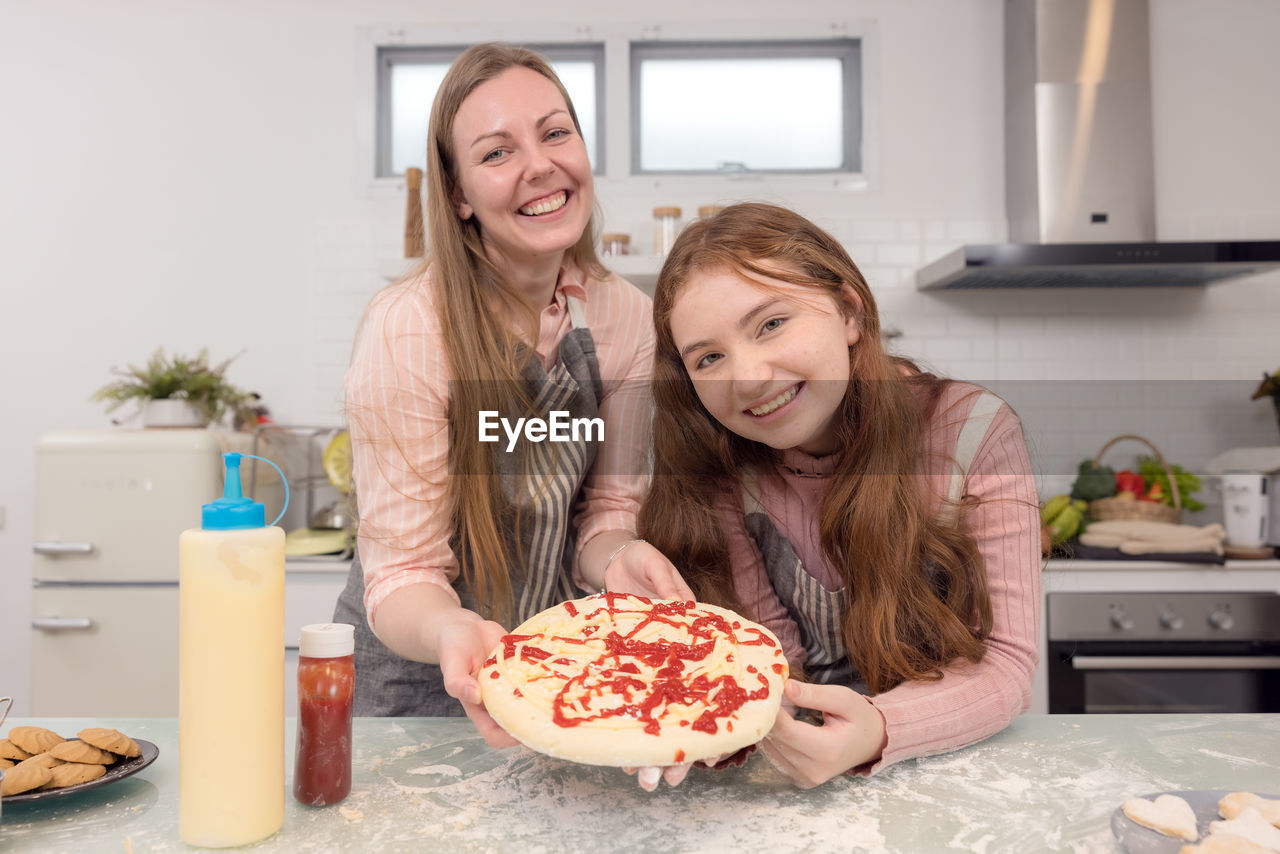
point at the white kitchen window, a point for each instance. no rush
(408, 78)
(749, 106)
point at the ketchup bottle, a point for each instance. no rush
(326, 681)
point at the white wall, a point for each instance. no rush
(194, 174)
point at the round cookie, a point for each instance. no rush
(82, 752)
(34, 739)
(24, 777)
(110, 739)
(72, 774)
(9, 750)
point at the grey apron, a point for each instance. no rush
(543, 480)
(817, 611)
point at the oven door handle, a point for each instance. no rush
(1176, 662)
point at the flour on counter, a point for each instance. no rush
(444, 770)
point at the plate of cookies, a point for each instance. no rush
(1199, 822)
(39, 763)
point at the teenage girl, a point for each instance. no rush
(881, 520)
(511, 313)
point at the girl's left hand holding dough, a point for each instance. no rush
(852, 734)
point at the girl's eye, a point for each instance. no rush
(772, 324)
(707, 360)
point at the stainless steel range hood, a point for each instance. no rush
(1079, 172)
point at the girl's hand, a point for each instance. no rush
(649, 776)
(463, 646)
(852, 734)
(642, 570)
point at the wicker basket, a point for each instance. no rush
(1110, 509)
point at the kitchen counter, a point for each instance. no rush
(1047, 783)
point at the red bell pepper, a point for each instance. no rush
(1129, 481)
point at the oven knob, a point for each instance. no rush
(1121, 619)
(1222, 619)
(1170, 620)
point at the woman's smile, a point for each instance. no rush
(546, 204)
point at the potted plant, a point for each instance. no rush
(180, 392)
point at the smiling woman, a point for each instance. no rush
(510, 316)
(523, 171)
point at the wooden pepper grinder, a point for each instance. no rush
(413, 236)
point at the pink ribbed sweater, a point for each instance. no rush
(970, 702)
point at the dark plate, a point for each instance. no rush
(1139, 839)
(118, 771)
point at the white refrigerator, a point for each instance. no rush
(109, 508)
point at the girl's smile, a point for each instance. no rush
(769, 361)
(776, 404)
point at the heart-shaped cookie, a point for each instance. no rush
(1167, 814)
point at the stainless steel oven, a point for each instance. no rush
(1112, 653)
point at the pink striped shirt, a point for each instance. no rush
(970, 702)
(397, 390)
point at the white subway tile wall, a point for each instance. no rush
(1176, 366)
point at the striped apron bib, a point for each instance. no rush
(543, 480)
(819, 612)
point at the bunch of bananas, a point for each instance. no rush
(1063, 516)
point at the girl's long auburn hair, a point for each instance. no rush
(487, 357)
(917, 587)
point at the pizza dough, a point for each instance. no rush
(622, 680)
(1168, 814)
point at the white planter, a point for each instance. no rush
(171, 413)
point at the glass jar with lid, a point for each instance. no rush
(666, 225)
(615, 244)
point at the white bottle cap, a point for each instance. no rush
(327, 640)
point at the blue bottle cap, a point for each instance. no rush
(232, 510)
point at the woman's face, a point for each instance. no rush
(770, 365)
(522, 167)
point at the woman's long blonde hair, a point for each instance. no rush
(917, 587)
(487, 357)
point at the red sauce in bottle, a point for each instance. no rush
(322, 770)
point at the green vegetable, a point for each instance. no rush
(1153, 472)
(1094, 483)
(1063, 517)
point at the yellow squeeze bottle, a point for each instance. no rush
(231, 751)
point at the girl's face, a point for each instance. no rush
(522, 167)
(770, 365)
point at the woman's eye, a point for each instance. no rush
(559, 133)
(491, 156)
(772, 324)
(707, 360)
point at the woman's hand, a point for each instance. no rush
(641, 569)
(463, 645)
(852, 734)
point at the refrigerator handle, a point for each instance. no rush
(55, 548)
(54, 624)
